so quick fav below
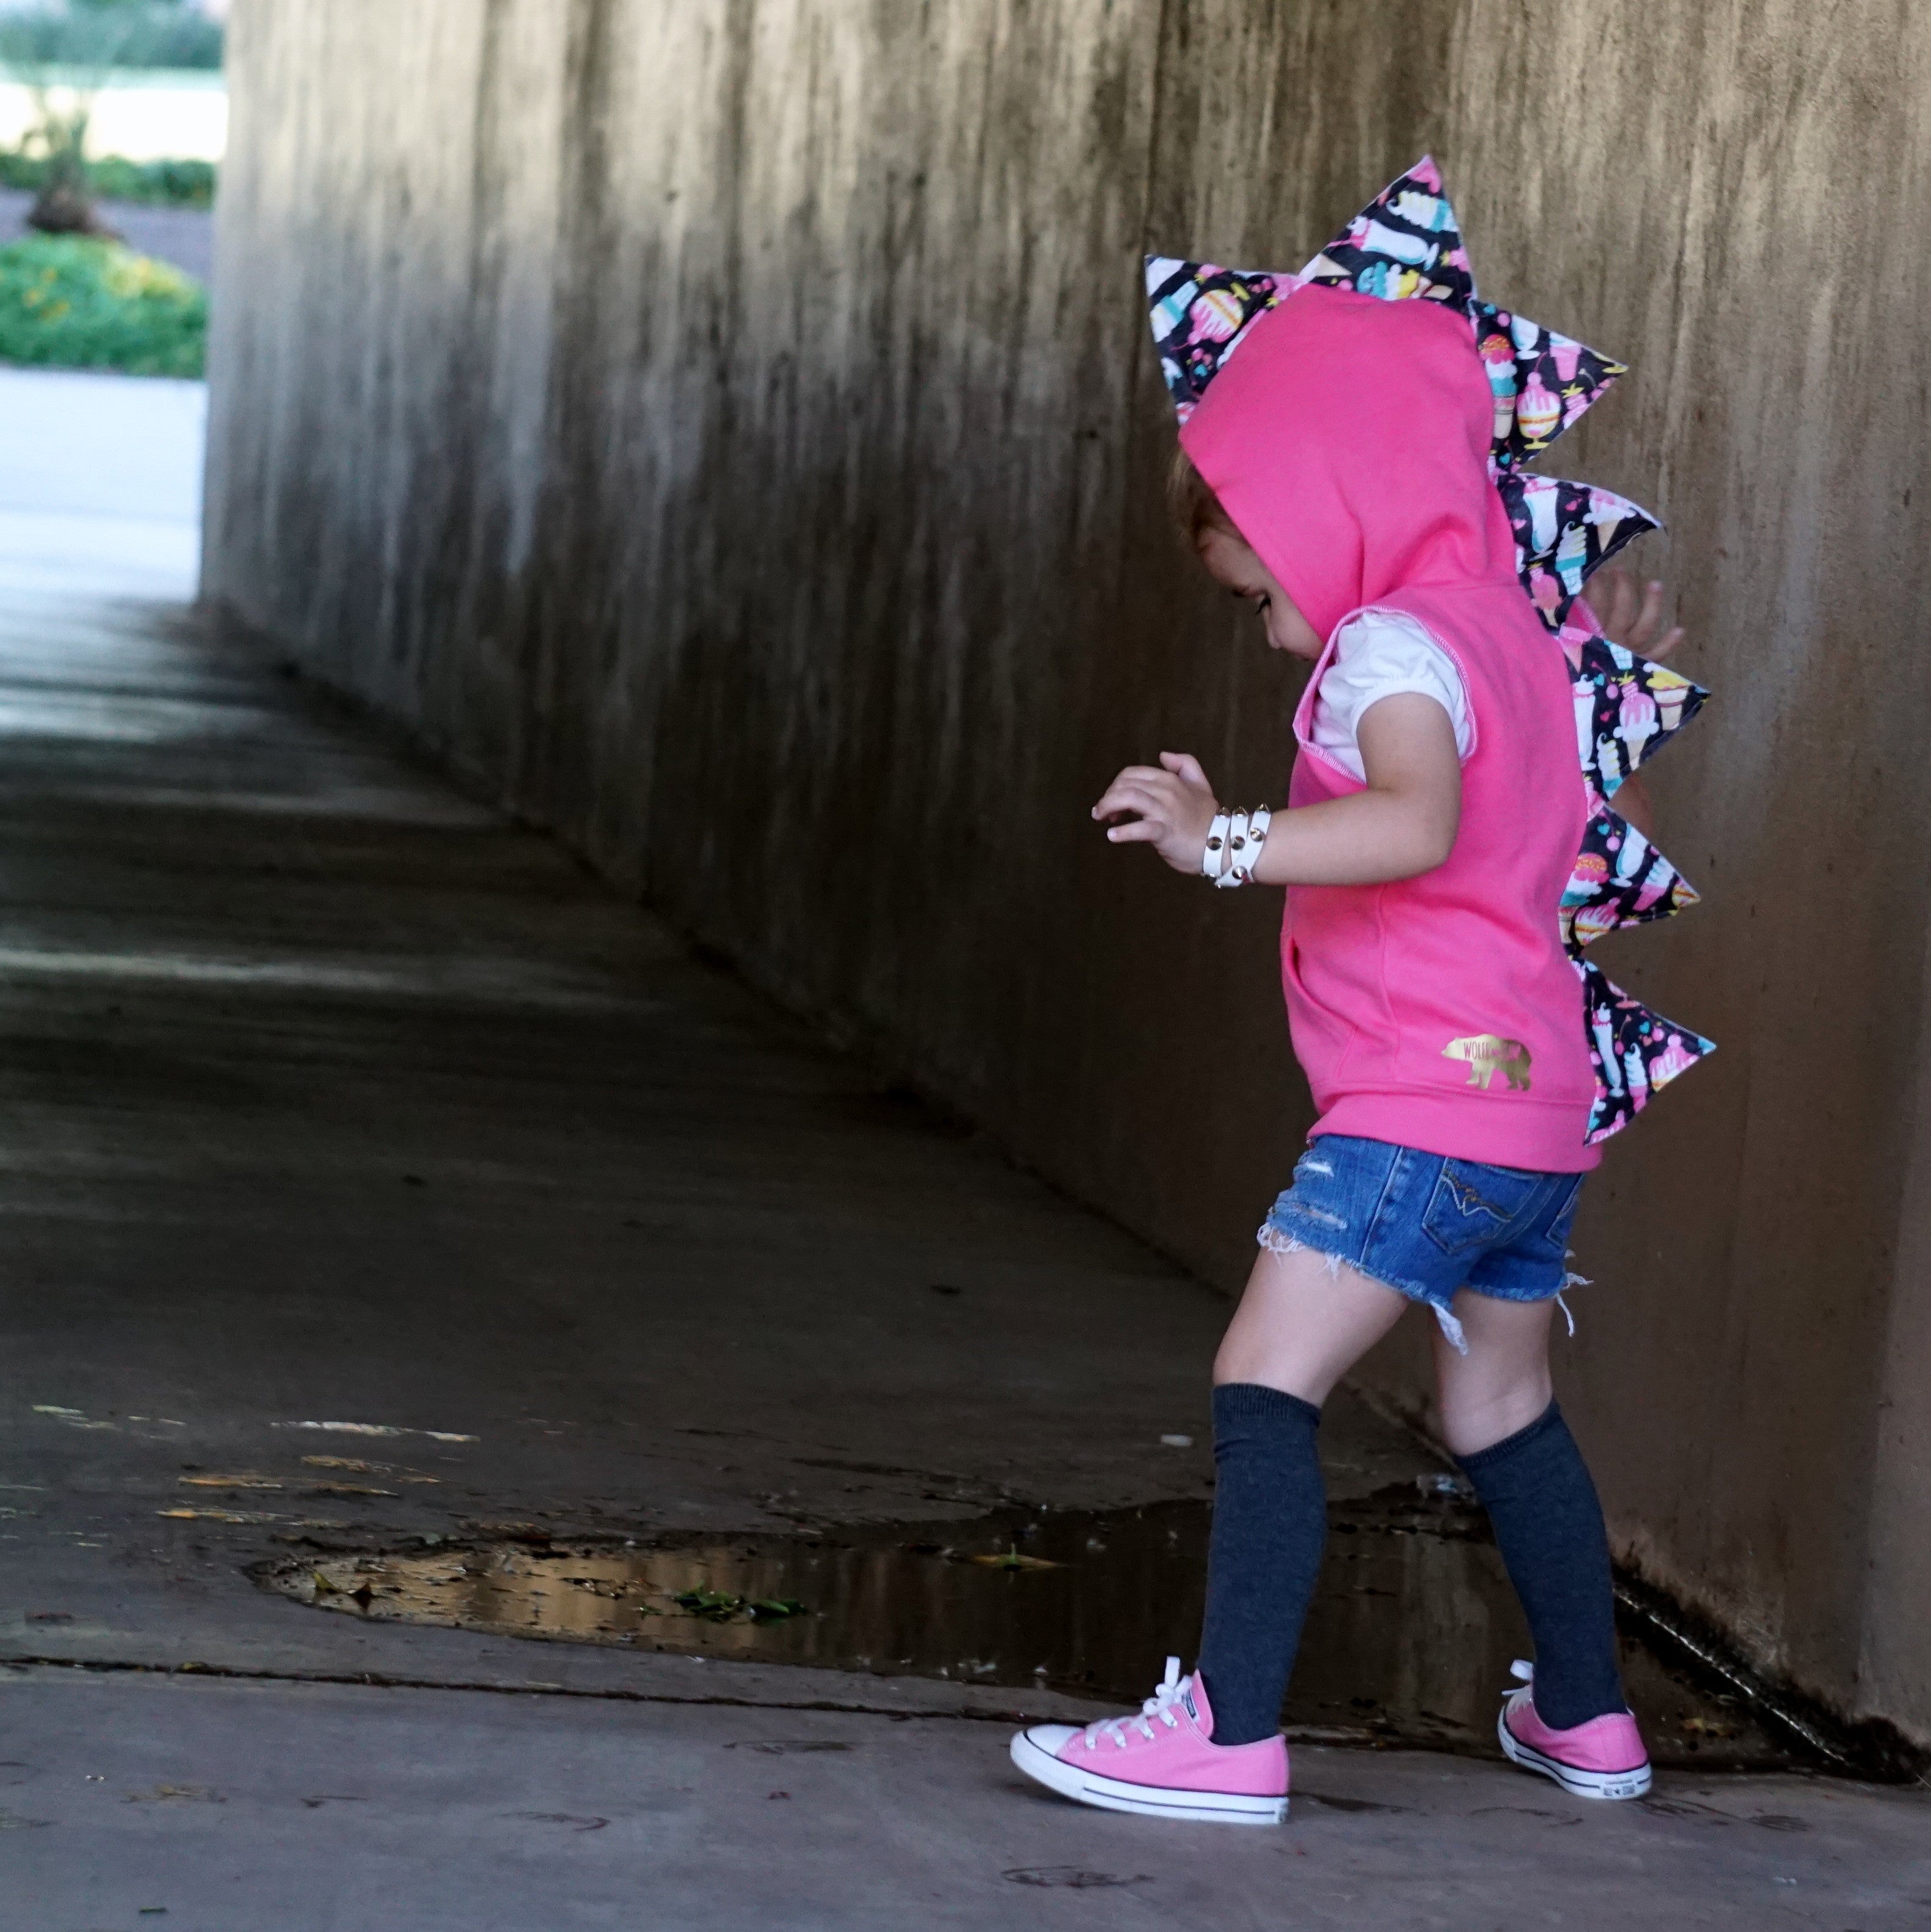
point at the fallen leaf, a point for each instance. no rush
(190, 1794)
(721, 1606)
(250, 1482)
(1011, 1559)
(354, 1463)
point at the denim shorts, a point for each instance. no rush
(1429, 1226)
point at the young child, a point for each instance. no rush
(1353, 473)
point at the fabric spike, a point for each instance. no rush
(1564, 532)
(1619, 879)
(1633, 1051)
(1200, 313)
(1626, 709)
(1405, 242)
(1541, 381)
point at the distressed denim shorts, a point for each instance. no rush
(1428, 1225)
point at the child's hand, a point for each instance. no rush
(1171, 809)
(1633, 619)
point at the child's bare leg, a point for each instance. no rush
(1301, 1325)
(1499, 1418)
(1502, 1385)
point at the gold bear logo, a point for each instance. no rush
(1486, 1051)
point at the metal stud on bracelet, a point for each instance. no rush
(1213, 857)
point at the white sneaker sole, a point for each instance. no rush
(1145, 1801)
(1612, 1784)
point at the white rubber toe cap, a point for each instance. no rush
(1051, 1738)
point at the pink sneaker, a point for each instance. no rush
(1162, 1763)
(1604, 1758)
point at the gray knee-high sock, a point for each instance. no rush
(1548, 1526)
(1270, 1527)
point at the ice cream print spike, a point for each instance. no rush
(1620, 879)
(1626, 709)
(1542, 381)
(1406, 242)
(1199, 313)
(1634, 1051)
(1564, 532)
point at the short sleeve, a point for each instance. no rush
(1379, 654)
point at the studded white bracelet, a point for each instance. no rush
(1246, 833)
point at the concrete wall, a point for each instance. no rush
(728, 428)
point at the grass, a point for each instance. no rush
(158, 183)
(68, 302)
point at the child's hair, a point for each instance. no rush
(1194, 508)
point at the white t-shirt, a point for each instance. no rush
(1377, 654)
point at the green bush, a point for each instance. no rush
(165, 184)
(69, 302)
(160, 184)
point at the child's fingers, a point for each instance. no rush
(1137, 831)
(1658, 652)
(1113, 799)
(1186, 768)
(1609, 596)
(1649, 620)
(1147, 791)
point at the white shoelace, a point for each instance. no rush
(1160, 1705)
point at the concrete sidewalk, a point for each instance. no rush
(318, 1808)
(100, 486)
(376, 1181)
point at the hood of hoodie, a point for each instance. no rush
(1349, 440)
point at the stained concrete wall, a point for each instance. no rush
(726, 427)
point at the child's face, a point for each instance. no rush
(1230, 561)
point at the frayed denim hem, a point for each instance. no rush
(1277, 1240)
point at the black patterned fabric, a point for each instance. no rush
(1541, 381)
(1200, 313)
(1633, 1051)
(1564, 532)
(1626, 709)
(1620, 879)
(1405, 243)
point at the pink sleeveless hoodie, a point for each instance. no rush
(1349, 440)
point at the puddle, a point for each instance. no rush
(1409, 1640)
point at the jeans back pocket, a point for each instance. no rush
(1473, 1205)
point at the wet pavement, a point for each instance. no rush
(1413, 1627)
(387, 1202)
